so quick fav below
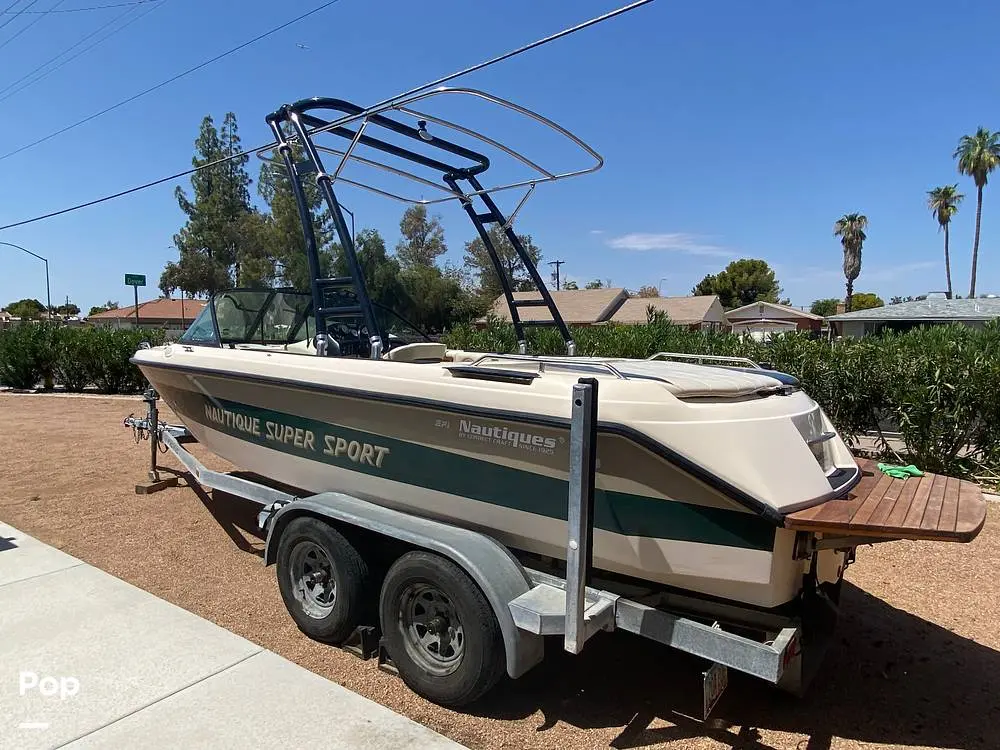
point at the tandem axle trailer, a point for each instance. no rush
(331, 551)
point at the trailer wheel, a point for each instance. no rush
(322, 578)
(440, 630)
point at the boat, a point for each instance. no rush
(701, 461)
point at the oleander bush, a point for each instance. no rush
(37, 354)
(939, 386)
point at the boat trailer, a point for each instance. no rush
(530, 604)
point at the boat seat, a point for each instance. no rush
(422, 351)
(305, 346)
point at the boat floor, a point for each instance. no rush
(932, 507)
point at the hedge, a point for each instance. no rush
(938, 386)
(76, 358)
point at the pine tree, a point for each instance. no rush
(213, 240)
(287, 242)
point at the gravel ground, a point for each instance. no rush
(916, 662)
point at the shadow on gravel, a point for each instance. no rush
(236, 516)
(890, 678)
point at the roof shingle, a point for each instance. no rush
(680, 310)
(157, 309)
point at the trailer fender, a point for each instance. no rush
(491, 565)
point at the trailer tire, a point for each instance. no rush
(323, 579)
(440, 630)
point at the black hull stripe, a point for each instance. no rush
(748, 501)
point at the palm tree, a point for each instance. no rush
(943, 202)
(978, 155)
(851, 230)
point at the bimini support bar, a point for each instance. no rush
(451, 163)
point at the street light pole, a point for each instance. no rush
(48, 290)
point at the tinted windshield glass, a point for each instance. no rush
(202, 330)
(275, 317)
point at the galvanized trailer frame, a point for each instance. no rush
(530, 604)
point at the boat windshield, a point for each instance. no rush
(280, 317)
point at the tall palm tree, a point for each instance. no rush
(851, 230)
(943, 202)
(978, 155)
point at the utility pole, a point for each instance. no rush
(556, 263)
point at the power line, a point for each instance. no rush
(69, 10)
(14, 16)
(249, 151)
(170, 80)
(40, 15)
(132, 10)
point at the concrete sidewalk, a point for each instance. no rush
(89, 661)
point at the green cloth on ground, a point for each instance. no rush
(900, 472)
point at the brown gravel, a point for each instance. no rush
(916, 664)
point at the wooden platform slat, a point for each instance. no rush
(906, 494)
(927, 507)
(887, 505)
(870, 503)
(949, 509)
(919, 504)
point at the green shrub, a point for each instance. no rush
(74, 357)
(27, 355)
(110, 352)
(73, 367)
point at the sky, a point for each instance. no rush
(728, 130)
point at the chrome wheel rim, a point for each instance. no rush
(313, 582)
(432, 631)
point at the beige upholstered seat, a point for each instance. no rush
(422, 351)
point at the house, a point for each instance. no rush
(763, 319)
(578, 307)
(701, 312)
(931, 311)
(173, 315)
(6, 319)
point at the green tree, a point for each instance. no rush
(422, 242)
(824, 307)
(68, 309)
(595, 284)
(866, 301)
(25, 309)
(977, 156)
(851, 230)
(943, 202)
(287, 242)
(648, 291)
(436, 300)
(381, 271)
(740, 283)
(570, 286)
(109, 305)
(478, 263)
(210, 243)
(899, 300)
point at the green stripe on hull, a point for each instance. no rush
(485, 481)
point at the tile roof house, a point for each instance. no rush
(765, 318)
(578, 307)
(932, 311)
(704, 311)
(158, 313)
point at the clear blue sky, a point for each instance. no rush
(730, 129)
